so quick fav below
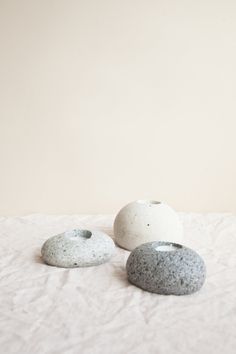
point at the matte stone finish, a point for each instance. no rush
(78, 248)
(146, 221)
(178, 271)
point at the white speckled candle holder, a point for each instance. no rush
(145, 221)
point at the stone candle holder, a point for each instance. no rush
(78, 248)
(166, 268)
(144, 221)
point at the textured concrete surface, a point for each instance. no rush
(146, 221)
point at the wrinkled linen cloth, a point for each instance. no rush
(44, 309)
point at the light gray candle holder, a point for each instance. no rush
(166, 268)
(78, 248)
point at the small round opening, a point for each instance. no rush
(167, 247)
(148, 202)
(78, 233)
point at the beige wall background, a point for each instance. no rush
(104, 102)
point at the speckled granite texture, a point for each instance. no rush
(78, 248)
(178, 271)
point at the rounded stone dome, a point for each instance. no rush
(145, 221)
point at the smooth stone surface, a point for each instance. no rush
(78, 248)
(166, 268)
(145, 221)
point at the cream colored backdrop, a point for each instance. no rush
(107, 101)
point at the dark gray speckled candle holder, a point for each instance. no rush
(166, 268)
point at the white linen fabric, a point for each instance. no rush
(44, 309)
